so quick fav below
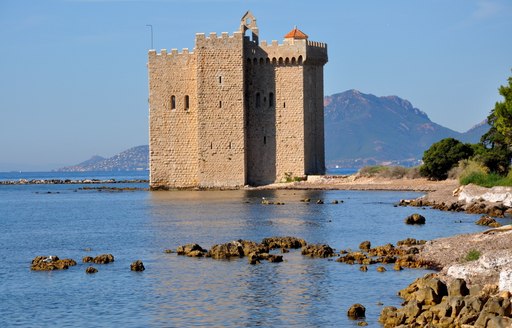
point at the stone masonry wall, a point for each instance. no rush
(289, 121)
(173, 132)
(261, 111)
(221, 120)
(314, 149)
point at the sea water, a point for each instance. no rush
(177, 291)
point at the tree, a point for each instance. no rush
(496, 152)
(501, 116)
(442, 156)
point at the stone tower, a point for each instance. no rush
(236, 111)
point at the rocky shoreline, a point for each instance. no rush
(67, 181)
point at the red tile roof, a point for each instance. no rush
(296, 34)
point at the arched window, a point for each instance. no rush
(173, 102)
(280, 60)
(300, 60)
(258, 100)
(274, 60)
(187, 102)
(293, 60)
(267, 61)
(270, 100)
(255, 61)
(287, 61)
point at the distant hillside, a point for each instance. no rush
(363, 129)
(133, 159)
(360, 129)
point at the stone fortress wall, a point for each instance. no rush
(236, 111)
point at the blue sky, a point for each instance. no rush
(73, 78)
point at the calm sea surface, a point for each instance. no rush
(177, 291)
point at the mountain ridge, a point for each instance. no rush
(360, 129)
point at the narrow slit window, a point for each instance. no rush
(265, 140)
(187, 102)
(270, 100)
(229, 145)
(220, 79)
(173, 102)
(258, 100)
(211, 145)
(284, 105)
(220, 104)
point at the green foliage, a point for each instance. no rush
(501, 116)
(467, 167)
(472, 255)
(442, 156)
(289, 178)
(486, 179)
(390, 172)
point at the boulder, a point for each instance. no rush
(283, 242)
(381, 269)
(356, 311)
(191, 250)
(488, 221)
(411, 242)
(91, 270)
(137, 266)
(365, 246)
(318, 250)
(457, 287)
(88, 259)
(275, 258)
(49, 263)
(355, 257)
(226, 251)
(415, 219)
(253, 258)
(103, 259)
(253, 247)
(384, 250)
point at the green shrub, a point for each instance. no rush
(472, 255)
(442, 156)
(486, 180)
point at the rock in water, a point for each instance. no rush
(137, 266)
(103, 259)
(319, 250)
(191, 250)
(356, 311)
(365, 246)
(488, 221)
(52, 262)
(91, 270)
(87, 259)
(415, 219)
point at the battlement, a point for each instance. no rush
(316, 44)
(215, 36)
(174, 53)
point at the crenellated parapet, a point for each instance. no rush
(214, 38)
(290, 51)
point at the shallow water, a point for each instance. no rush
(178, 291)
